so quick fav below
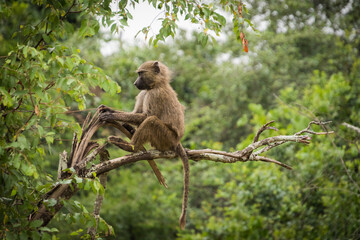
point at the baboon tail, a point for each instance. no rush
(185, 161)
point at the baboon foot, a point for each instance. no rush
(119, 142)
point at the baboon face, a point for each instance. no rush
(148, 73)
(143, 82)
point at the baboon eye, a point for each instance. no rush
(139, 73)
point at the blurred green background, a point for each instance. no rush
(303, 66)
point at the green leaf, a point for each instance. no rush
(69, 63)
(28, 169)
(36, 223)
(78, 179)
(13, 192)
(40, 130)
(16, 161)
(46, 38)
(124, 22)
(25, 51)
(122, 4)
(113, 27)
(6, 98)
(203, 38)
(60, 61)
(245, 9)
(82, 105)
(87, 185)
(46, 229)
(49, 139)
(50, 202)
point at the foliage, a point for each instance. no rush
(41, 79)
(295, 72)
(316, 200)
(44, 78)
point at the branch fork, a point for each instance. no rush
(84, 151)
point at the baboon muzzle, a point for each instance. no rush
(139, 84)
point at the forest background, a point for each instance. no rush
(303, 65)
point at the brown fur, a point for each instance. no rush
(158, 101)
(160, 119)
(164, 125)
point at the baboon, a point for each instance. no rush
(159, 116)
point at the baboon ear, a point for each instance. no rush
(156, 67)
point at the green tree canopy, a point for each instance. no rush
(303, 66)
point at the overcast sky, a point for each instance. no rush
(143, 16)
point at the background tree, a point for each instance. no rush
(44, 78)
(303, 66)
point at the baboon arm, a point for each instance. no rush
(126, 117)
(132, 118)
(139, 102)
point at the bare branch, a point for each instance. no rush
(307, 130)
(352, 127)
(266, 159)
(262, 129)
(82, 164)
(84, 150)
(243, 155)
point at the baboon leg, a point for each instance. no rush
(118, 141)
(153, 130)
(130, 148)
(185, 161)
(157, 173)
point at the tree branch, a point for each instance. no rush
(218, 156)
(84, 151)
(352, 127)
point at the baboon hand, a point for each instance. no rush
(103, 109)
(107, 117)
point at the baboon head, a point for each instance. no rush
(152, 74)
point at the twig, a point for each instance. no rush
(263, 128)
(266, 159)
(82, 164)
(307, 130)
